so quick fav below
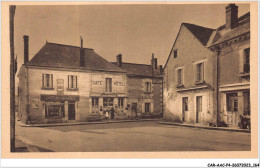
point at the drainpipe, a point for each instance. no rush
(217, 94)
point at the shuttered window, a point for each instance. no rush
(47, 80)
(200, 72)
(72, 82)
(108, 84)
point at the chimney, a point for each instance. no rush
(119, 60)
(161, 69)
(81, 42)
(154, 62)
(231, 16)
(82, 54)
(26, 48)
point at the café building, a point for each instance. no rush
(64, 83)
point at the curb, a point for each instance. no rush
(83, 123)
(205, 127)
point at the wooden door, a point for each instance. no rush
(71, 108)
(232, 113)
(198, 109)
(185, 109)
(134, 109)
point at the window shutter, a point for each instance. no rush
(68, 81)
(202, 71)
(76, 86)
(51, 80)
(42, 80)
(198, 72)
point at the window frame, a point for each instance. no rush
(180, 77)
(108, 85)
(200, 72)
(120, 102)
(47, 85)
(148, 87)
(71, 79)
(175, 53)
(149, 107)
(246, 62)
(95, 102)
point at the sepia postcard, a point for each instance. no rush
(129, 79)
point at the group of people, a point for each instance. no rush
(109, 111)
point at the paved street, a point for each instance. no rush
(132, 136)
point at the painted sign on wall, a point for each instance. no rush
(60, 87)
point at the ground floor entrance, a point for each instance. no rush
(71, 110)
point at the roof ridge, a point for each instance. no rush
(67, 45)
(198, 25)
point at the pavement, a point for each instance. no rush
(132, 136)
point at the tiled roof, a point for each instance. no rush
(66, 56)
(133, 69)
(242, 28)
(201, 33)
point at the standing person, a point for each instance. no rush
(112, 112)
(106, 114)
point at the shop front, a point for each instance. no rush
(60, 108)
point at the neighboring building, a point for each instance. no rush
(144, 88)
(189, 88)
(232, 47)
(207, 74)
(63, 83)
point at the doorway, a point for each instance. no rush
(198, 109)
(134, 109)
(71, 111)
(185, 109)
(232, 109)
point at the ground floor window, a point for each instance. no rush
(54, 110)
(120, 102)
(246, 103)
(108, 102)
(94, 101)
(147, 107)
(232, 102)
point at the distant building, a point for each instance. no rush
(189, 88)
(144, 88)
(207, 74)
(232, 47)
(63, 83)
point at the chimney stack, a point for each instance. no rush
(82, 54)
(26, 48)
(231, 16)
(119, 60)
(161, 69)
(154, 62)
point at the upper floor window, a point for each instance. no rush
(200, 72)
(180, 77)
(108, 84)
(247, 60)
(72, 82)
(47, 81)
(175, 53)
(120, 102)
(148, 87)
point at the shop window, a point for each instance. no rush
(148, 87)
(72, 82)
(54, 110)
(247, 60)
(180, 77)
(232, 102)
(47, 81)
(200, 73)
(147, 107)
(108, 84)
(120, 102)
(108, 102)
(94, 101)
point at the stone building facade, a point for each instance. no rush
(189, 77)
(207, 74)
(64, 83)
(144, 88)
(232, 47)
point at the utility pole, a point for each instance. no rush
(12, 79)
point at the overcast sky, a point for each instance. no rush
(136, 31)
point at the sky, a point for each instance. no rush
(135, 31)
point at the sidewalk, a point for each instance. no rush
(84, 123)
(205, 127)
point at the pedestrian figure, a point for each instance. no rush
(112, 113)
(106, 114)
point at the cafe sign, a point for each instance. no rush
(59, 98)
